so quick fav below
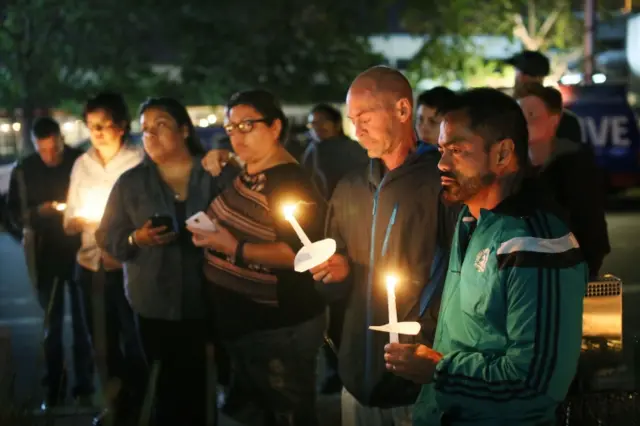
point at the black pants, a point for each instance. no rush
(115, 336)
(53, 276)
(178, 348)
(334, 332)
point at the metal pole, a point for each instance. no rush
(589, 38)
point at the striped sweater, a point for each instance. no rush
(510, 323)
(254, 296)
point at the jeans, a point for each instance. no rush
(273, 372)
(115, 334)
(50, 286)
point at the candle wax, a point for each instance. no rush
(393, 312)
(299, 231)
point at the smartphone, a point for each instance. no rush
(158, 220)
(201, 221)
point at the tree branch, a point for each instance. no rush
(532, 18)
(548, 23)
(520, 32)
(562, 62)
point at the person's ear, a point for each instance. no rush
(404, 110)
(504, 152)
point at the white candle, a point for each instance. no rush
(289, 211)
(391, 302)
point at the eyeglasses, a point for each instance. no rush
(245, 126)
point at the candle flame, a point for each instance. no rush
(289, 210)
(93, 205)
(61, 207)
(90, 213)
(392, 281)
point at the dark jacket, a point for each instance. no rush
(330, 160)
(572, 176)
(403, 216)
(157, 279)
(32, 184)
(569, 127)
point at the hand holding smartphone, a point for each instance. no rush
(159, 220)
(149, 235)
(202, 222)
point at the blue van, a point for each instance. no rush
(610, 127)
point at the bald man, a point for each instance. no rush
(386, 218)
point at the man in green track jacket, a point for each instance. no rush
(510, 326)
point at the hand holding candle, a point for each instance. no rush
(93, 205)
(311, 254)
(90, 213)
(50, 208)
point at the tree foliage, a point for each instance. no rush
(54, 51)
(451, 26)
(301, 50)
(62, 49)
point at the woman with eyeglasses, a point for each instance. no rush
(269, 318)
(144, 227)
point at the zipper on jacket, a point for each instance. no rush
(371, 275)
(392, 221)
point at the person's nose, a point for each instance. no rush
(236, 137)
(149, 135)
(360, 131)
(445, 162)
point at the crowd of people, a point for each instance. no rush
(486, 207)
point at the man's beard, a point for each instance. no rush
(464, 187)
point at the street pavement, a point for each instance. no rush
(20, 313)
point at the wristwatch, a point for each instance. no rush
(132, 239)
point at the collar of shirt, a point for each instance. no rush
(124, 155)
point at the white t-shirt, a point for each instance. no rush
(89, 190)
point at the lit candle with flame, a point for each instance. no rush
(60, 206)
(93, 205)
(392, 281)
(289, 214)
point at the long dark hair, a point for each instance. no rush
(179, 113)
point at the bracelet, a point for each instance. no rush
(239, 256)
